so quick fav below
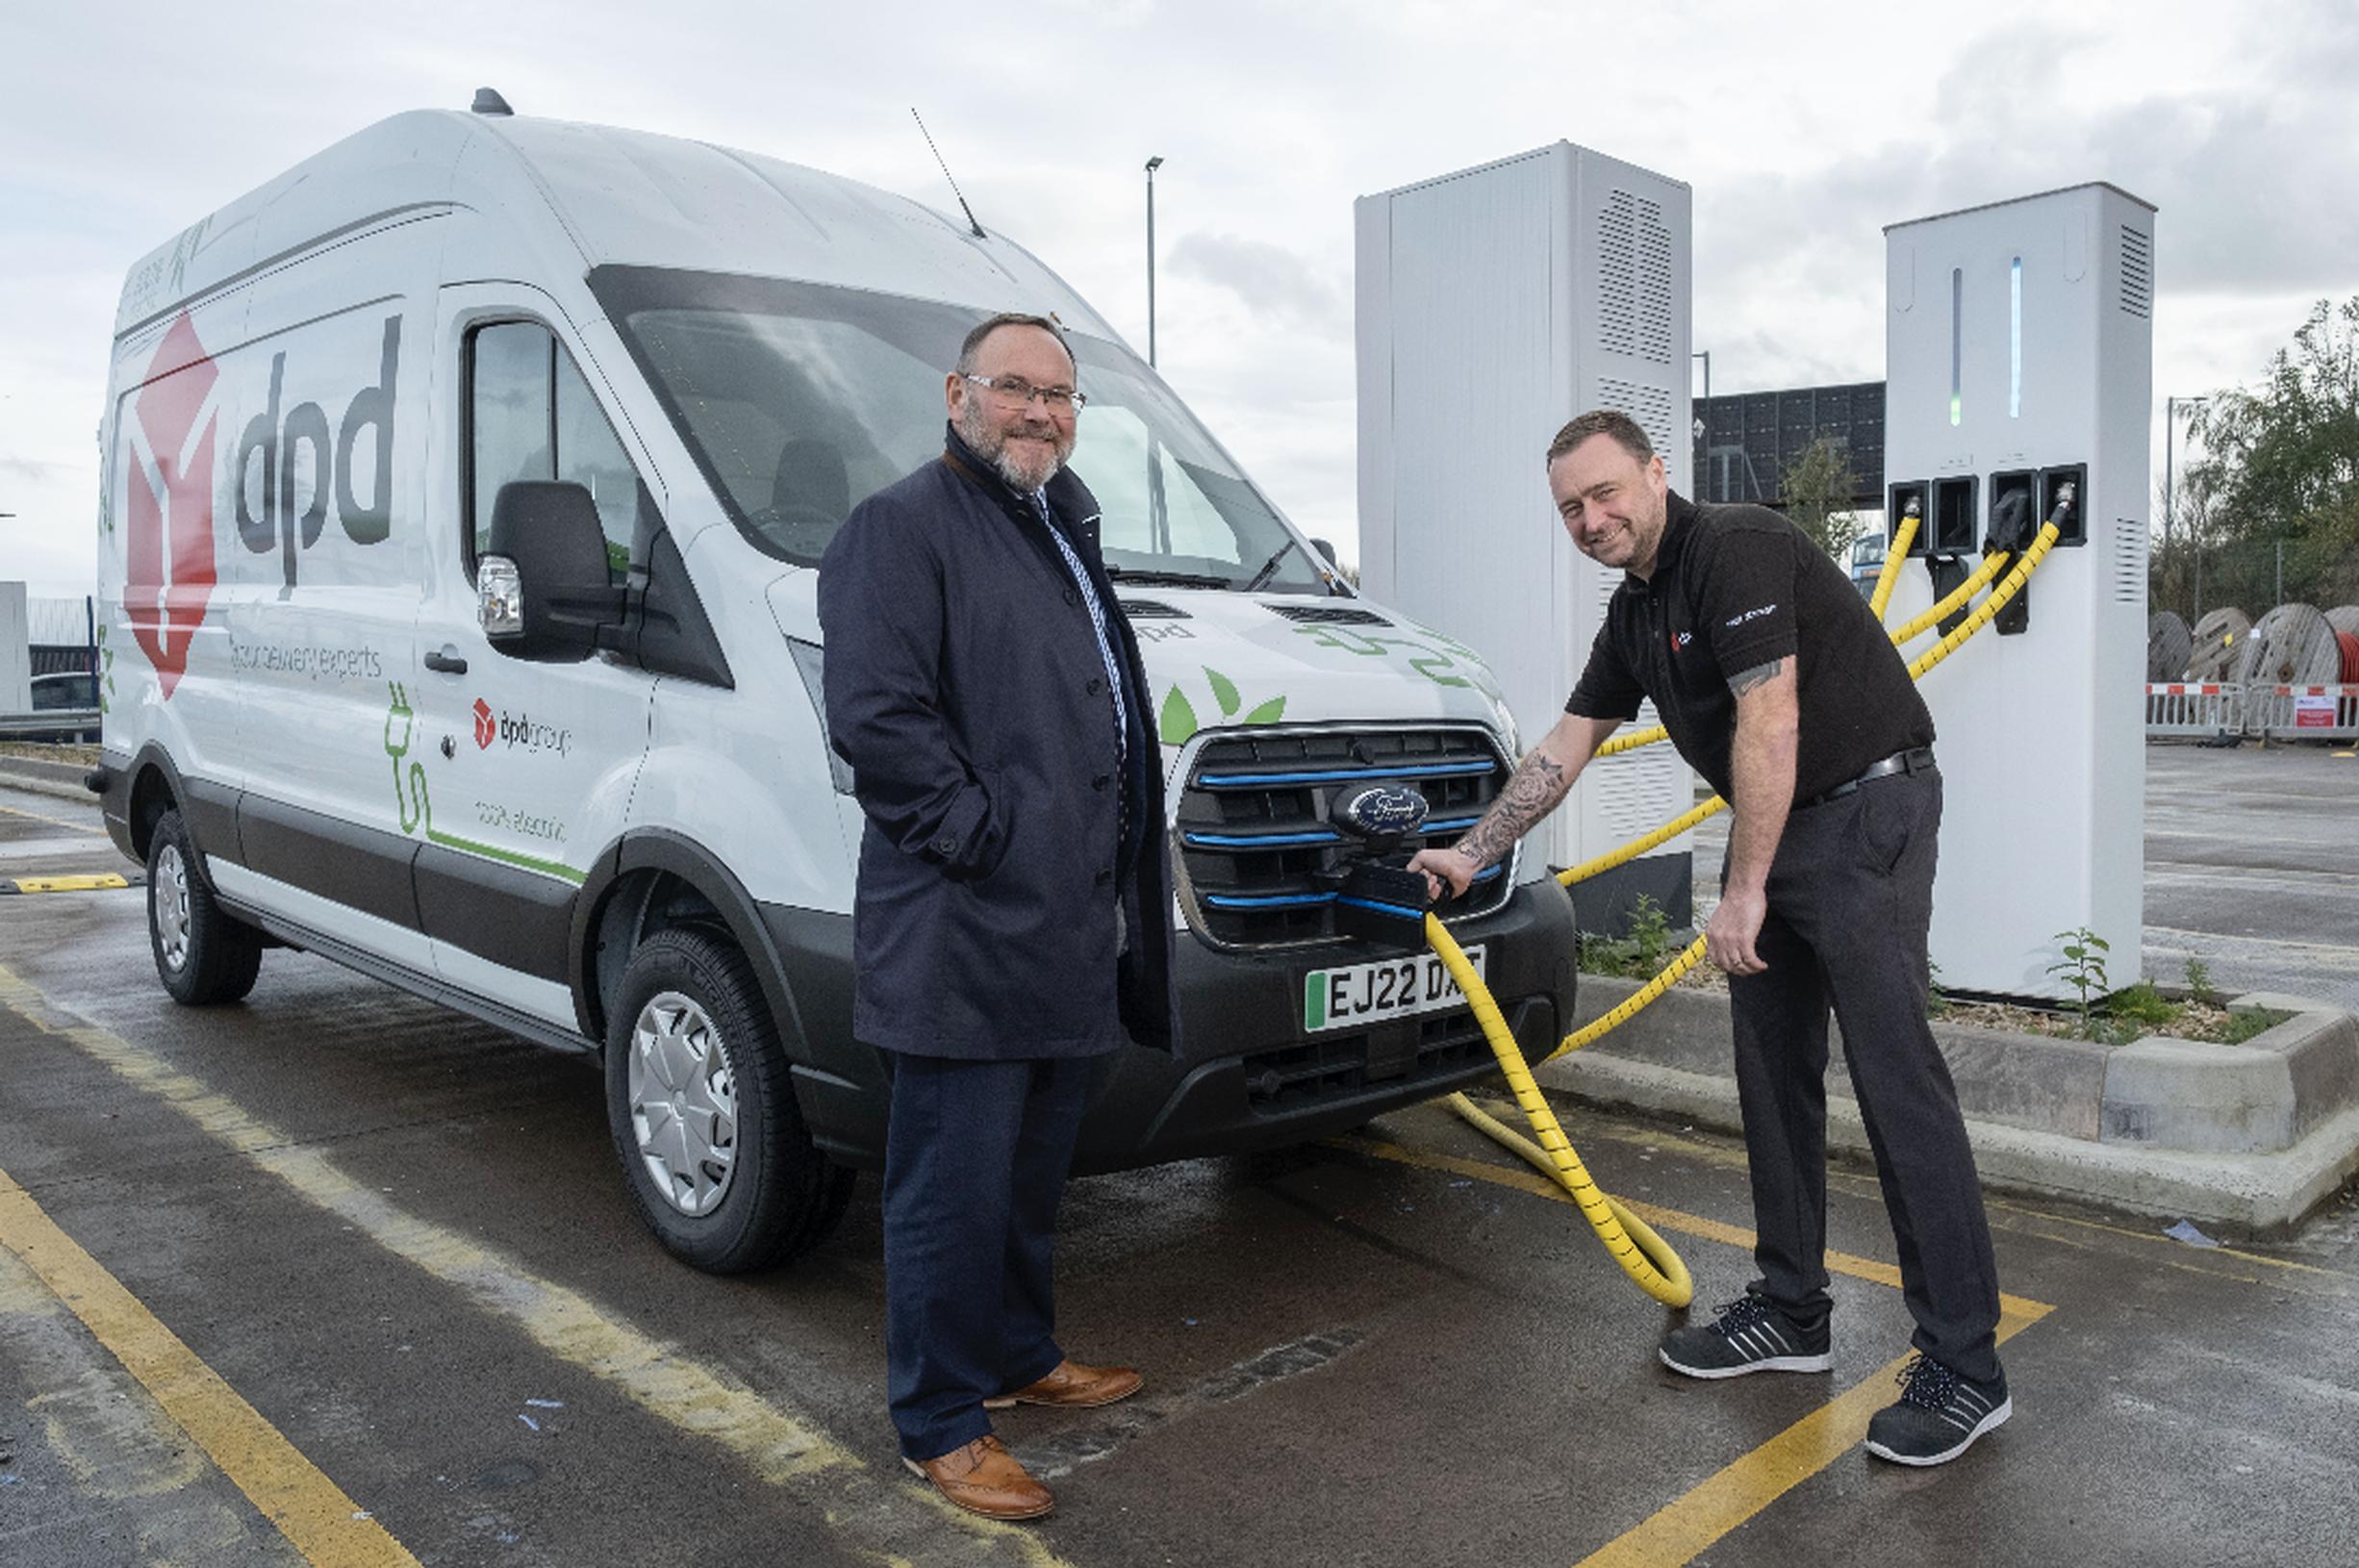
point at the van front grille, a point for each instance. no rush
(1261, 855)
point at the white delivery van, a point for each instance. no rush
(613, 822)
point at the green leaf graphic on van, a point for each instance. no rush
(1179, 722)
(1178, 718)
(1269, 712)
(415, 810)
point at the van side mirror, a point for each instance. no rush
(542, 589)
(1325, 548)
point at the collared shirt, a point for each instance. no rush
(1733, 588)
(1096, 620)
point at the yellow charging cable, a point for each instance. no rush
(1902, 538)
(1645, 1257)
(1991, 565)
(1642, 1255)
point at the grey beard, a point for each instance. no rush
(976, 434)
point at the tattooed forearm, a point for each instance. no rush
(1745, 680)
(1539, 783)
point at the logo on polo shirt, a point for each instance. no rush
(1750, 615)
(1680, 640)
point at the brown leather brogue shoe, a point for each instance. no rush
(1073, 1386)
(983, 1478)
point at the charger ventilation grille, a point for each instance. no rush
(2137, 273)
(1634, 279)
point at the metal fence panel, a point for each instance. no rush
(2302, 712)
(2201, 709)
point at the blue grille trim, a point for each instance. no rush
(1338, 776)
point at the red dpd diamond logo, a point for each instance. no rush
(168, 561)
(486, 728)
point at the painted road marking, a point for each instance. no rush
(54, 821)
(312, 1511)
(889, 1517)
(105, 1454)
(1684, 1527)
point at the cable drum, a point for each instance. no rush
(2219, 638)
(2345, 620)
(2291, 646)
(2169, 643)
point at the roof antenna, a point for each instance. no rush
(946, 174)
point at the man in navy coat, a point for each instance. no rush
(1013, 919)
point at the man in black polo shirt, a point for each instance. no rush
(1780, 688)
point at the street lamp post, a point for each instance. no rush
(2170, 433)
(1153, 164)
(1703, 445)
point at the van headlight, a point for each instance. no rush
(811, 664)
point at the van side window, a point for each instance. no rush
(531, 416)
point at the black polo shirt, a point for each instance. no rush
(1733, 588)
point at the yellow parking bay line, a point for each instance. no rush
(312, 1511)
(1678, 1532)
(889, 1517)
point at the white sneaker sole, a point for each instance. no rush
(1775, 1363)
(1990, 1423)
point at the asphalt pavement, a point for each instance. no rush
(333, 1276)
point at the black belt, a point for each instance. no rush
(1915, 760)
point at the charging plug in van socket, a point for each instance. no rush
(1908, 496)
(1383, 904)
(2065, 485)
(2011, 529)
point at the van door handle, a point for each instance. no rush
(446, 661)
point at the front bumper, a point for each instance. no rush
(1245, 1074)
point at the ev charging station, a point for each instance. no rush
(1493, 305)
(2018, 362)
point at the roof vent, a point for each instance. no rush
(488, 101)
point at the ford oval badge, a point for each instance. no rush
(1380, 810)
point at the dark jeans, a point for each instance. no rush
(1850, 900)
(975, 1158)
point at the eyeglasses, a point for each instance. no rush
(1016, 391)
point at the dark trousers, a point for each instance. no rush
(1850, 900)
(975, 1158)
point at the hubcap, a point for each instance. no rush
(168, 899)
(683, 1100)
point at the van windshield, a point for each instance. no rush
(799, 401)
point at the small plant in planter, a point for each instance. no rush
(2083, 969)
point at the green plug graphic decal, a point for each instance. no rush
(416, 811)
(1180, 723)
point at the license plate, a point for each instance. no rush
(1363, 993)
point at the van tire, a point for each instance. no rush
(203, 956)
(782, 1196)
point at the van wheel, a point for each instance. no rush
(713, 1146)
(202, 956)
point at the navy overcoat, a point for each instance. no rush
(965, 688)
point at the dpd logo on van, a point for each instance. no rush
(167, 545)
(518, 731)
(485, 729)
(272, 441)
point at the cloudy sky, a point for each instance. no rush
(1803, 129)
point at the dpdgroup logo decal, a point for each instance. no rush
(169, 571)
(519, 730)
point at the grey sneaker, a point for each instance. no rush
(1937, 1415)
(1750, 1335)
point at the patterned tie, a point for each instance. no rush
(1097, 622)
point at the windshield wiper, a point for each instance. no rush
(1269, 568)
(1166, 579)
